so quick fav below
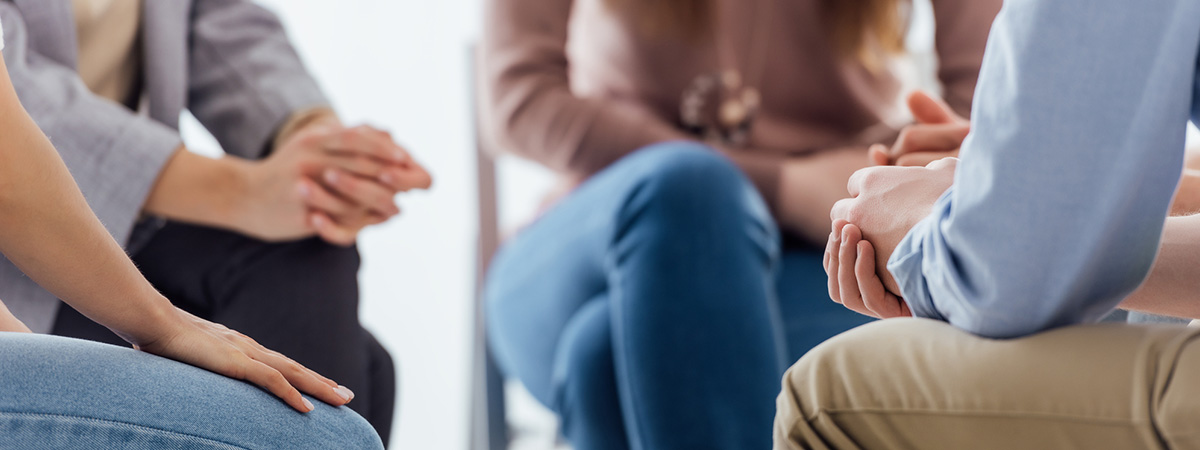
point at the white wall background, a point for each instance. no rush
(402, 65)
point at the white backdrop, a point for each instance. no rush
(402, 65)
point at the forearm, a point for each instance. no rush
(527, 105)
(200, 190)
(48, 230)
(809, 187)
(1012, 250)
(1171, 288)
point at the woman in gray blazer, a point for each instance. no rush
(259, 240)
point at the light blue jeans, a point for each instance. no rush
(64, 393)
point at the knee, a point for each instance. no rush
(822, 381)
(586, 399)
(1177, 407)
(687, 183)
(583, 367)
(845, 367)
(336, 428)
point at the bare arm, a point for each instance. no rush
(48, 230)
(1173, 284)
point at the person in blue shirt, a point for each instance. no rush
(1052, 218)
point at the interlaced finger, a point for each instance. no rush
(847, 255)
(878, 300)
(835, 292)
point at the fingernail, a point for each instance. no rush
(386, 178)
(399, 156)
(302, 188)
(345, 393)
(318, 221)
(331, 176)
(308, 404)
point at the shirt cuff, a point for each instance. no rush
(907, 265)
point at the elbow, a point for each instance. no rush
(497, 120)
(989, 327)
(1012, 320)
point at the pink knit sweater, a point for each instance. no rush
(571, 85)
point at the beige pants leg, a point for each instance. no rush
(921, 384)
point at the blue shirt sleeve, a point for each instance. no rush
(1077, 146)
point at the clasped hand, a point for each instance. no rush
(885, 203)
(329, 181)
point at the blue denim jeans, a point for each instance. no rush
(65, 393)
(645, 307)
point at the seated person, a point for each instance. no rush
(655, 283)
(67, 393)
(1052, 218)
(227, 239)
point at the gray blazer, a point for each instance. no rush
(229, 62)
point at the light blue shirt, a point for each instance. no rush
(1077, 146)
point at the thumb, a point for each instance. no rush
(929, 109)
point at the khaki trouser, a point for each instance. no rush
(921, 384)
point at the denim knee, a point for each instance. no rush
(685, 185)
(336, 428)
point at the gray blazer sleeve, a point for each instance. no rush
(114, 155)
(245, 78)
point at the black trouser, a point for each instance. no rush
(298, 298)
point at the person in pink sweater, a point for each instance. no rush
(656, 305)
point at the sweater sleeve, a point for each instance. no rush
(526, 103)
(960, 39)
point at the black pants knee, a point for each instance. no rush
(299, 298)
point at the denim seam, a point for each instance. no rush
(974, 414)
(115, 422)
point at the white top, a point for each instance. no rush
(1, 36)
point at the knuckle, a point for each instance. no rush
(369, 167)
(868, 178)
(276, 378)
(294, 368)
(309, 139)
(839, 210)
(855, 212)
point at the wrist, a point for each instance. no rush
(236, 192)
(201, 190)
(319, 116)
(155, 320)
